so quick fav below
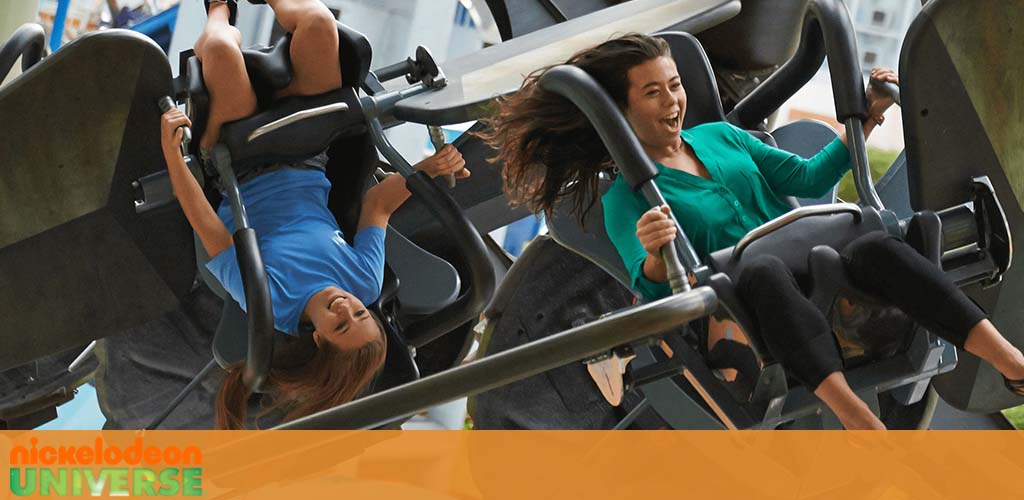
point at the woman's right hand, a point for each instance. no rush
(170, 129)
(655, 229)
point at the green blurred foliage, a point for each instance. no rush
(1015, 416)
(880, 160)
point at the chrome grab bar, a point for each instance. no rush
(296, 117)
(791, 217)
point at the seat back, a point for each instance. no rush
(960, 74)
(76, 262)
(589, 237)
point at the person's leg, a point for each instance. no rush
(987, 343)
(886, 266)
(799, 336)
(314, 48)
(219, 48)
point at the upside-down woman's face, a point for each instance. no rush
(657, 102)
(340, 318)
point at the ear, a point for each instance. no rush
(317, 338)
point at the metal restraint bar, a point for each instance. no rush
(515, 364)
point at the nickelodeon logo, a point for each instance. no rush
(102, 470)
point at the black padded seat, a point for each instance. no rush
(791, 243)
(805, 138)
(230, 342)
(294, 142)
(430, 282)
(589, 238)
(269, 70)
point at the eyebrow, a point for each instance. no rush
(655, 83)
(348, 327)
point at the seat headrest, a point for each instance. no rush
(702, 102)
(355, 54)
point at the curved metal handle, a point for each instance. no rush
(473, 252)
(476, 262)
(28, 43)
(887, 88)
(791, 217)
(166, 104)
(827, 29)
(296, 117)
(499, 369)
(258, 307)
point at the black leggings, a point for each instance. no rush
(798, 335)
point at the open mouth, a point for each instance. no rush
(330, 304)
(672, 121)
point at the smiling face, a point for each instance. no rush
(340, 318)
(656, 102)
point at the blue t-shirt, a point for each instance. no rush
(301, 244)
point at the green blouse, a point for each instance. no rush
(747, 178)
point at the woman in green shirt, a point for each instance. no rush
(720, 183)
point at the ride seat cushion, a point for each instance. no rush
(302, 246)
(747, 178)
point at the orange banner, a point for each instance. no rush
(516, 465)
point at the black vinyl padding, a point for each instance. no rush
(762, 36)
(295, 142)
(792, 242)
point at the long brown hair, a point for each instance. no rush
(332, 377)
(548, 148)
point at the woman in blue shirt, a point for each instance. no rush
(720, 183)
(318, 280)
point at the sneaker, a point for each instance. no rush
(1015, 386)
(232, 5)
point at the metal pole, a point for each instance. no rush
(83, 356)
(859, 160)
(59, 18)
(181, 395)
(628, 326)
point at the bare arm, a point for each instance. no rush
(201, 216)
(383, 199)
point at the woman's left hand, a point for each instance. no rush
(879, 102)
(447, 161)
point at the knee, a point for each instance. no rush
(762, 274)
(219, 44)
(317, 19)
(873, 249)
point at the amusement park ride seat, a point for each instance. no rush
(133, 260)
(807, 239)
